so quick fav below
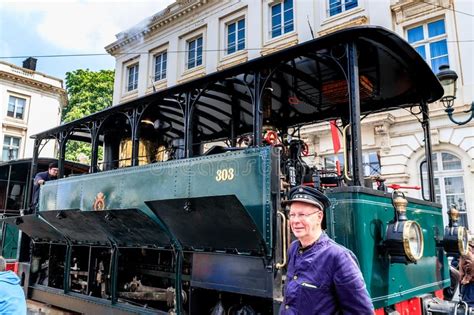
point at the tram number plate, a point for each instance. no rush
(225, 174)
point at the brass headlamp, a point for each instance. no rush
(404, 238)
(456, 237)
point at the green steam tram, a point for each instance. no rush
(183, 213)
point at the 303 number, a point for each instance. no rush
(225, 174)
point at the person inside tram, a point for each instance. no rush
(40, 179)
(323, 277)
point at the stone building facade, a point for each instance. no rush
(192, 38)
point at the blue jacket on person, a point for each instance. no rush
(12, 298)
(324, 278)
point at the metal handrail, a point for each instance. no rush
(284, 240)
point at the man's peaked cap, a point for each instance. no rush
(308, 195)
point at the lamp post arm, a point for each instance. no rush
(450, 112)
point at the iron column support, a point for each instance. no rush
(257, 110)
(188, 125)
(429, 161)
(178, 285)
(354, 106)
(67, 267)
(62, 152)
(134, 118)
(113, 273)
(33, 171)
(94, 130)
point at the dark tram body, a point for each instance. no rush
(184, 212)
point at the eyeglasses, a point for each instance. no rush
(299, 216)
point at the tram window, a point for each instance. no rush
(15, 197)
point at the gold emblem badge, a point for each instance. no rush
(99, 203)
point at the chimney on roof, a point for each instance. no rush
(30, 63)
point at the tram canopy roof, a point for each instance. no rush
(306, 83)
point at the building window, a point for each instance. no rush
(449, 183)
(160, 66)
(194, 53)
(429, 40)
(16, 107)
(282, 18)
(11, 148)
(132, 74)
(235, 36)
(338, 6)
(370, 163)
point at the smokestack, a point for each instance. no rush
(30, 63)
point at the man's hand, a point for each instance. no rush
(40, 181)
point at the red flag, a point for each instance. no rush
(336, 144)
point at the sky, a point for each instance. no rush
(68, 27)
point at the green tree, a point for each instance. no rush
(88, 92)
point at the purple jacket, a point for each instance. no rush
(324, 279)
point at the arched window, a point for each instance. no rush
(449, 183)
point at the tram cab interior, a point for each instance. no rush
(259, 108)
(15, 179)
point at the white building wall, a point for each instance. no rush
(43, 117)
(45, 98)
(463, 25)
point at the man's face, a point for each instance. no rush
(305, 220)
(53, 172)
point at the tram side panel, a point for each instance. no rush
(245, 174)
(359, 218)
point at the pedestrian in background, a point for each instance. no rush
(466, 274)
(12, 298)
(323, 277)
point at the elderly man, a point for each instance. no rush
(323, 277)
(12, 298)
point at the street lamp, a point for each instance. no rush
(448, 78)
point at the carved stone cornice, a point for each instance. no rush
(235, 59)
(279, 43)
(12, 77)
(360, 20)
(405, 10)
(18, 126)
(179, 10)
